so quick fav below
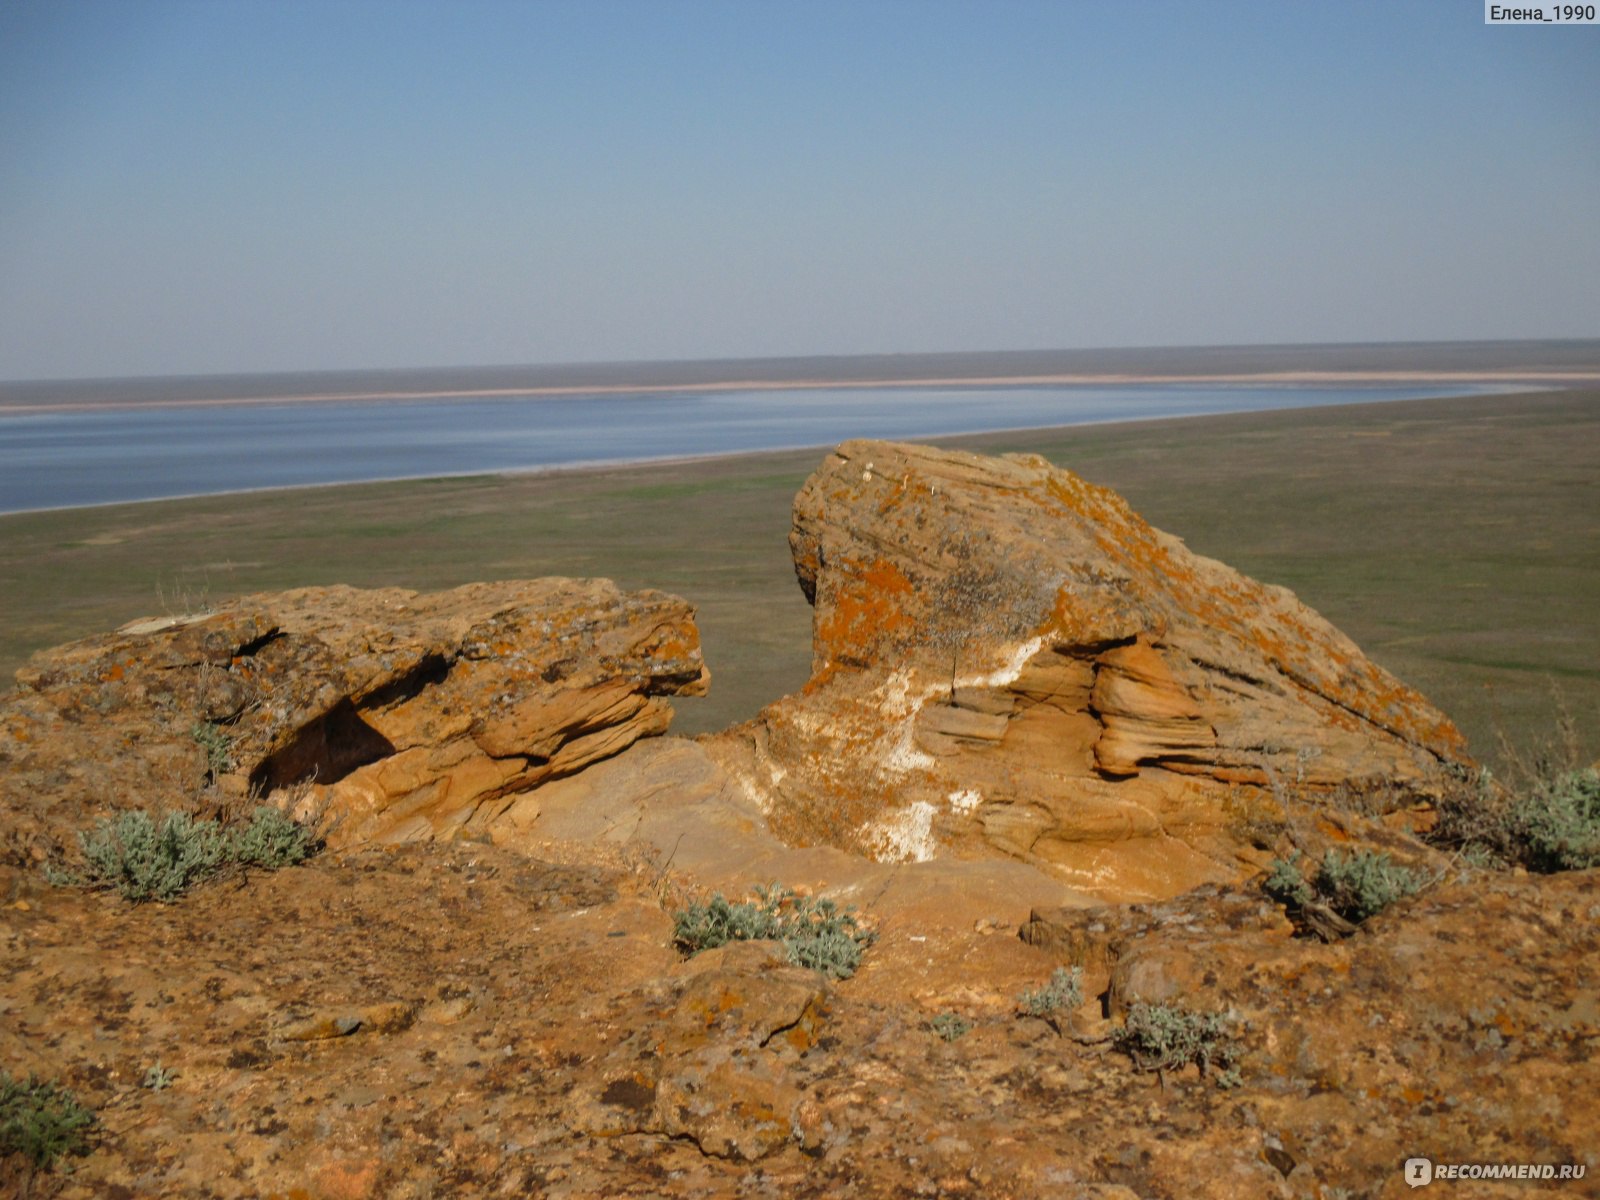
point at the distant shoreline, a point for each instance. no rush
(1549, 361)
(1264, 379)
(609, 464)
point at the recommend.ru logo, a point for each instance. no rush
(1419, 1172)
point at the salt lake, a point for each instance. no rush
(71, 458)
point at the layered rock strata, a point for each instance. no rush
(400, 715)
(1007, 659)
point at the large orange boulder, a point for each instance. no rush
(1008, 660)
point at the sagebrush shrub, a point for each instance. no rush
(1164, 1037)
(1365, 883)
(819, 935)
(143, 859)
(718, 922)
(1285, 883)
(1544, 814)
(1549, 823)
(1559, 823)
(41, 1120)
(814, 933)
(1062, 994)
(146, 861)
(1355, 886)
(216, 743)
(271, 841)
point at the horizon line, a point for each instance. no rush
(860, 356)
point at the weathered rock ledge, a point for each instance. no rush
(403, 716)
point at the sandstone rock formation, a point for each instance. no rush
(1017, 682)
(402, 715)
(1008, 660)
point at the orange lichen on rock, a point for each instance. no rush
(870, 604)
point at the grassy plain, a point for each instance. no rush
(1457, 541)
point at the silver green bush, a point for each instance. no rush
(271, 841)
(1164, 1037)
(1364, 883)
(146, 861)
(142, 859)
(814, 933)
(1558, 823)
(216, 743)
(1542, 814)
(1062, 994)
(718, 922)
(1355, 886)
(1286, 884)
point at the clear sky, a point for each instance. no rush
(237, 186)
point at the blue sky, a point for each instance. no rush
(234, 186)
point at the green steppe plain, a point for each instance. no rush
(1457, 541)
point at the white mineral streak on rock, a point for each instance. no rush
(965, 801)
(905, 835)
(900, 713)
(1006, 673)
(763, 792)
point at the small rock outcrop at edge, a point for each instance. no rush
(403, 715)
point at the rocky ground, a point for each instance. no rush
(523, 1026)
(476, 989)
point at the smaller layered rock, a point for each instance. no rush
(1008, 660)
(403, 715)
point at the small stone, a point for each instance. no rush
(389, 1017)
(321, 1028)
(233, 787)
(448, 1012)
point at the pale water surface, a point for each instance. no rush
(72, 458)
